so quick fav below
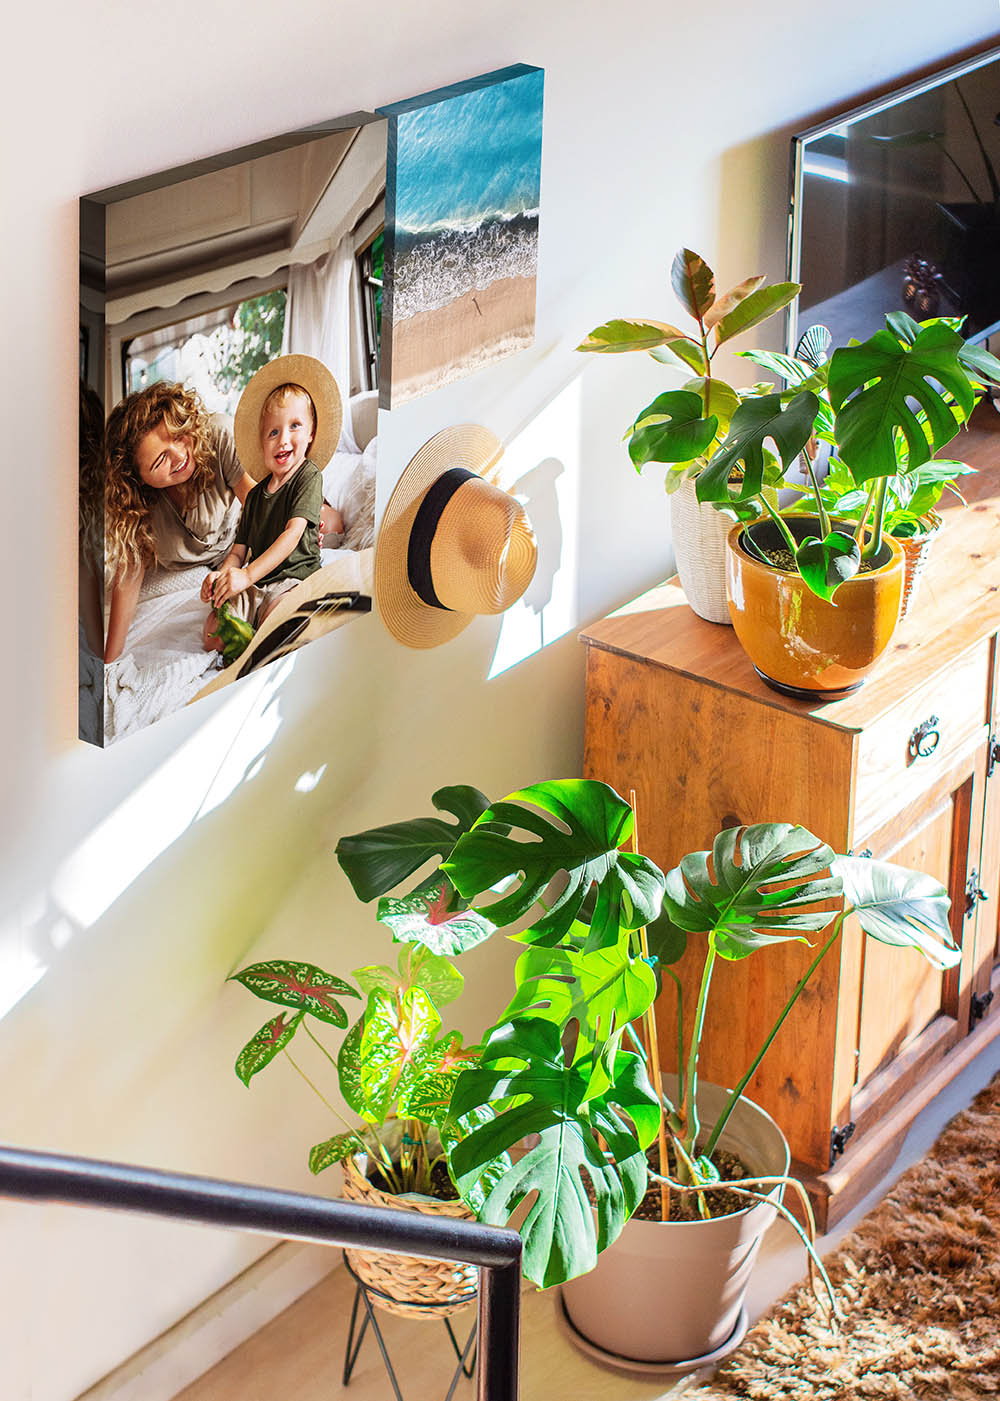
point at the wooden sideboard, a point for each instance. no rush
(675, 711)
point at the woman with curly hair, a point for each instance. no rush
(173, 491)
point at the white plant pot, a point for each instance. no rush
(699, 535)
(669, 1295)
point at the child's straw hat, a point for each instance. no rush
(452, 543)
(321, 387)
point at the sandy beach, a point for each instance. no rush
(433, 348)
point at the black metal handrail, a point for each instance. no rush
(52, 1177)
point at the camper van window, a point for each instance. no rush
(370, 268)
(215, 353)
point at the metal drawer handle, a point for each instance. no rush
(925, 739)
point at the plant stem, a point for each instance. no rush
(317, 1092)
(859, 533)
(680, 1020)
(821, 511)
(873, 544)
(796, 991)
(779, 521)
(689, 1102)
(313, 1037)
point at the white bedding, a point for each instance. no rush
(164, 665)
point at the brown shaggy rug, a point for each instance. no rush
(919, 1286)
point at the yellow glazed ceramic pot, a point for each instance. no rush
(798, 643)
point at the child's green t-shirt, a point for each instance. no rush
(265, 516)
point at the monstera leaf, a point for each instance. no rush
(602, 991)
(602, 1138)
(742, 908)
(756, 421)
(377, 860)
(576, 835)
(871, 386)
(826, 564)
(673, 428)
(292, 984)
(896, 906)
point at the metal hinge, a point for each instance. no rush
(838, 1140)
(978, 1006)
(973, 892)
(994, 756)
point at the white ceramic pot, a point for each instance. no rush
(698, 534)
(671, 1293)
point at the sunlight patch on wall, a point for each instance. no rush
(199, 776)
(542, 466)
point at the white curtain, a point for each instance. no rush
(318, 320)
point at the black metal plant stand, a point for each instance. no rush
(364, 1294)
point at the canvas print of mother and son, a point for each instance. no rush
(229, 317)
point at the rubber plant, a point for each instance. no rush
(562, 1077)
(686, 427)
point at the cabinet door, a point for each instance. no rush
(910, 1013)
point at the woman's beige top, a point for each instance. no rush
(203, 533)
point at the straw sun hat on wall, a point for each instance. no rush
(452, 544)
(321, 387)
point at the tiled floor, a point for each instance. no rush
(300, 1353)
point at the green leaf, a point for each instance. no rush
(980, 364)
(707, 1171)
(452, 1132)
(602, 990)
(903, 326)
(667, 941)
(826, 564)
(795, 372)
(755, 308)
(333, 1150)
(726, 303)
(574, 828)
(436, 974)
(377, 860)
(871, 385)
(683, 354)
(349, 1067)
(291, 984)
(603, 1138)
(396, 1049)
(671, 429)
(262, 1048)
(427, 1095)
(741, 907)
(755, 421)
(630, 333)
(693, 282)
(718, 399)
(435, 916)
(897, 906)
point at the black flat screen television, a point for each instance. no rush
(896, 205)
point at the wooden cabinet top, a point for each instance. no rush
(958, 604)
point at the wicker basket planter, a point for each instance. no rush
(916, 549)
(405, 1284)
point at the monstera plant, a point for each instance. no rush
(551, 1120)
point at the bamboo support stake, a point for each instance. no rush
(652, 1040)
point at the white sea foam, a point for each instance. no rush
(431, 270)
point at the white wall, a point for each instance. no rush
(134, 881)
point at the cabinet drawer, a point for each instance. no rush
(904, 752)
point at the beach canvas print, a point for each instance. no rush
(463, 187)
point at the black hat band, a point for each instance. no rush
(429, 513)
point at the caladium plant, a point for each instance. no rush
(562, 1077)
(394, 1065)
